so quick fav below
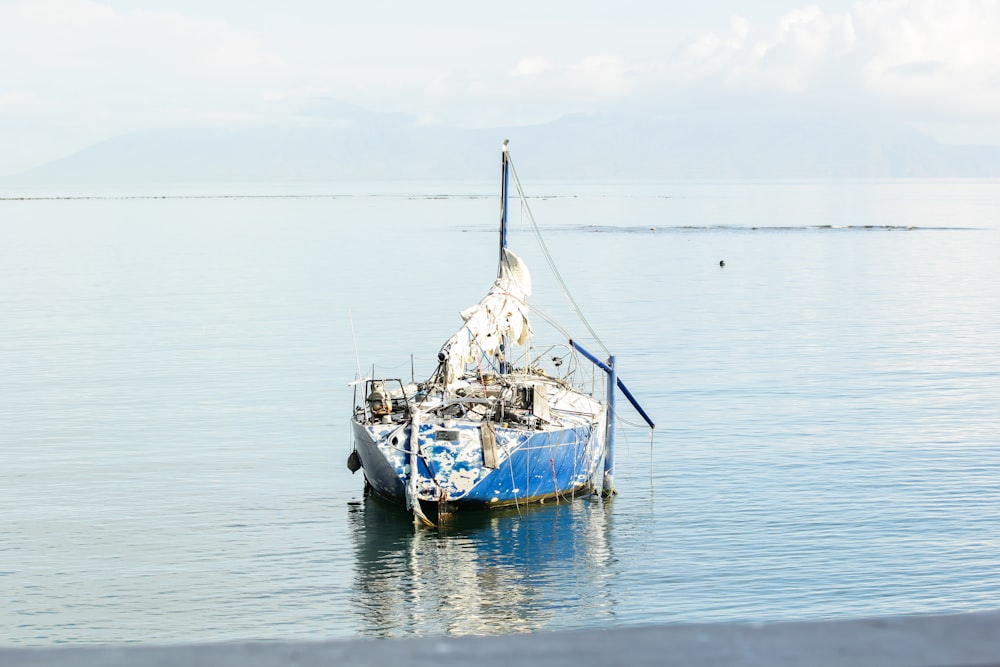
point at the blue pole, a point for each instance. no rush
(504, 177)
(621, 385)
(635, 404)
(609, 454)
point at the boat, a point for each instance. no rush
(501, 422)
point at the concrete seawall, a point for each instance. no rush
(957, 640)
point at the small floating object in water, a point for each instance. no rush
(722, 262)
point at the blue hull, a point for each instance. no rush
(531, 466)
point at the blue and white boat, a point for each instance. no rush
(501, 422)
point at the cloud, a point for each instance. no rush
(84, 35)
(921, 58)
(789, 56)
(91, 69)
(88, 63)
(942, 56)
(532, 90)
(925, 68)
(529, 67)
(69, 13)
(81, 68)
(600, 76)
(18, 98)
(205, 43)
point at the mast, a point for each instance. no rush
(504, 178)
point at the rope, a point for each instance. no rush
(555, 482)
(550, 261)
(552, 321)
(510, 464)
(642, 425)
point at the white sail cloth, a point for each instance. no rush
(503, 313)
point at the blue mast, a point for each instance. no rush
(504, 177)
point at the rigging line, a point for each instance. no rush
(513, 484)
(555, 484)
(527, 470)
(386, 367)
(572, 493)
(651, 489)
(636, 425)
(548, 258)
(482, 353)
(628, 444)
(350, 316)
(553, 322)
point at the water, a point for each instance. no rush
(174, 404)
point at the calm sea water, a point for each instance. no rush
(174, 408)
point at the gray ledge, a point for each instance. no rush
(957, 640)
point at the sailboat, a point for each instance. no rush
(501, 422)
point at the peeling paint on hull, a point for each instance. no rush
(531, 467)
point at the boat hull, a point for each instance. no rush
(528, 465)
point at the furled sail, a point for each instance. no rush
(503, 313)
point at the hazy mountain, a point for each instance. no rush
(352, 144)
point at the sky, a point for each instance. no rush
(75, 72)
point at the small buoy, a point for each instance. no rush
(722, 262)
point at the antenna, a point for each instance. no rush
(354, 338)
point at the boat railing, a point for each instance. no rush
(379, 402)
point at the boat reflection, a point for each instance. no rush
(485, 573)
